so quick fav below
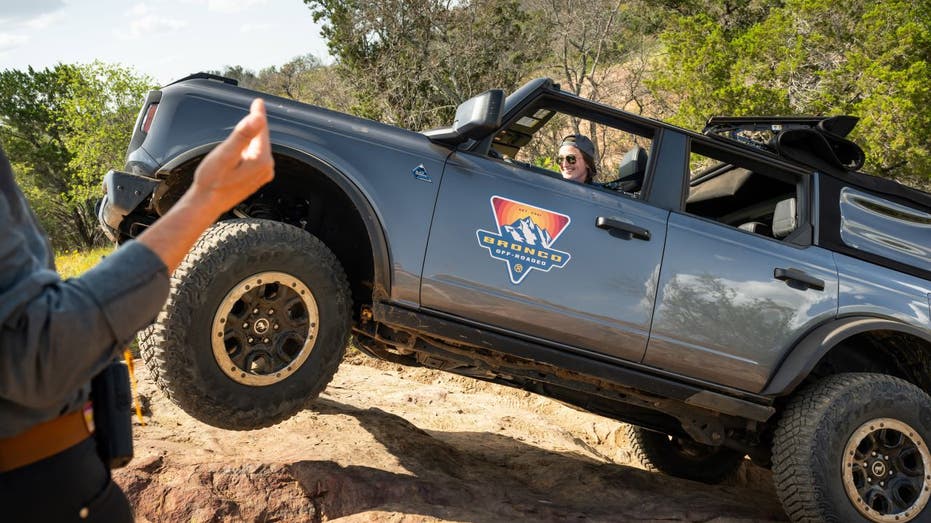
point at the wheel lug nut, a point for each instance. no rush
(264, 340)
(874, 454)
(276, 326)
(886, 458)
(245, 325)
(255, 311)
(869, 480)
(251, 340)
(271, 311)
(882, 484)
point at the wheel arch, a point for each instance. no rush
(302, 166)
(855, 344)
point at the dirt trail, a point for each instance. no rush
(389, 443)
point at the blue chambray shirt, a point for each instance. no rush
(56, 335)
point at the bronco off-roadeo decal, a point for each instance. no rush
(525, 237)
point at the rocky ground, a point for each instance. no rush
(390, 443)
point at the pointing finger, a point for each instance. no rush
(260, 142)
(253, 125)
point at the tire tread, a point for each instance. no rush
(797, 444)
(656, 456)
(163, 346)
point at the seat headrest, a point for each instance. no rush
(785, 219)
(632, 169)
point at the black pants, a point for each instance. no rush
(58, 488)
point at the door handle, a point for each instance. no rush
(611, 225)
(798, 276)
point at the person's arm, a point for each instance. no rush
(232, 171)
(55, 335)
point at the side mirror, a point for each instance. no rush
(479, 115)
(475, 118)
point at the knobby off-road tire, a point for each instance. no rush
(854, 447)
(682, 458)
(255, 326)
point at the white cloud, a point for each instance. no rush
(166, 39)
(28, 10)
(139, 10)
(27, 16)
(255, 28)
(10, 41)
(233, 6)
(143, 22)
(45, 20)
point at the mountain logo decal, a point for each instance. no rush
(525, 237)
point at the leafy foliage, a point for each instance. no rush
(63, 127)
(304, 78)
(869, 58)
(412, 61)
(101, 110)
(30, 128)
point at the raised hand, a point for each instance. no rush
(238, 166)
(229, 174)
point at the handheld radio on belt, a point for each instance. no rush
(112, 398)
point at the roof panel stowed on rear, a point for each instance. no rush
(885, 228)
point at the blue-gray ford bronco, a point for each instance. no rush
(739, 293)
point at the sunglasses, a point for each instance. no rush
(569, 158)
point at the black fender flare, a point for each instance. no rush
(808, 352)
(373, 226)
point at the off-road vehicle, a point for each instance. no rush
(738, 292)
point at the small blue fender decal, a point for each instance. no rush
(420, 172)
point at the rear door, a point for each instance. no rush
(740, 287)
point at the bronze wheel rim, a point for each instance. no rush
(265, 328)
(887, 470)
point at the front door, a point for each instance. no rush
(518, 249)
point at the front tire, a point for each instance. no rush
(854, 447)
(255, 326)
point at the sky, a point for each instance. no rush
(164, 39)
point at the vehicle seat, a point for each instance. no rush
(758, 228)
(632, 170)
(785, 219)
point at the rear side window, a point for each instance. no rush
(885, 228)
(743, 194)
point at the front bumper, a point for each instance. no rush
(124, 193)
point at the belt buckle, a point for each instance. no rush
(88, 412)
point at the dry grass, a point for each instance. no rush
(75, 263)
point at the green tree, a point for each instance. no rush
(869, 58)
(695, 76)
(729, 15)
(304, 78)
(32, 134)
(411, 62)
(65, 127)
(104, 102)
(244, 77)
